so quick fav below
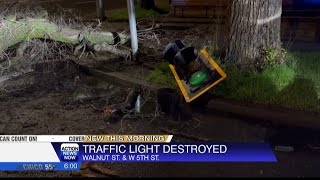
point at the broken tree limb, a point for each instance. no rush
(20, 50)
(99, 37)
(116, 112)
(111, 49)
(153, 27)
(14, 31)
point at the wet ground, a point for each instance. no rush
(49, 104)
(67, 101)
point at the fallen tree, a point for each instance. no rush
(13, 31)
(26, 40)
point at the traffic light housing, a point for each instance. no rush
(194, 71)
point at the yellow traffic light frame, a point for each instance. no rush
(183, 89)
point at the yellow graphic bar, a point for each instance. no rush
(128, 138)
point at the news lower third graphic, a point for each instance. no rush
(67, 152)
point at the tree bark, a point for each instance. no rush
(147, 4)
(13, 32)
(111, 49)
(253, 25)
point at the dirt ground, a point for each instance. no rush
(65, 100)
(43, 104)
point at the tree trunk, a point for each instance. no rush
(147, 4)
(253, 25)
(13, 32)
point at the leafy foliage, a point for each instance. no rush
(271, 57)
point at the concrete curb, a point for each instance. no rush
(258, 113)
(120, 79)
(279, 116)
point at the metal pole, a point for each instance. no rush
(100, 10)
(133, 27)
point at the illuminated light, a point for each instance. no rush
(189, 96)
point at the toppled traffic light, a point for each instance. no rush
(195, 71)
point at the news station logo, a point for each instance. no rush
(69, 152)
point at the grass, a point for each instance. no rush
(163, 8)
(295, 84)
(162, 75)
(122, 14)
